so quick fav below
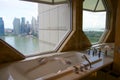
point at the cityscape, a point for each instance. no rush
(21, 27)
(33, 35)
(43, 33)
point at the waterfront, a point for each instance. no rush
(28, 45)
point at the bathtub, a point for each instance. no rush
(32, 69)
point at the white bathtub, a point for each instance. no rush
(32, 69)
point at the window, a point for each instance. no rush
(94, 24)
(33, 28)
(94, 21)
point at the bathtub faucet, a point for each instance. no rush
(85, 57)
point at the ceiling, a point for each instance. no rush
(94, 5)
(90, 5)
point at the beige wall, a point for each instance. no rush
(54, 23)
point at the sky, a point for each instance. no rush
(94, 20)
(9, 9)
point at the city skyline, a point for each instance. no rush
(23, 27)
(16, 8)
(20, 27)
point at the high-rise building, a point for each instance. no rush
(27, 28)
(34, 26)
(23, 25)
(16, 26)
(2, 31)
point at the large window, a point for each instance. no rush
(33, 28)
(94, 24)
(94, 19)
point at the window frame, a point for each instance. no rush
(58, 45)
(65, 36)
(107, 25)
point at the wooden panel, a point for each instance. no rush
(9, 54)
(111, 22)
(77, 39)
(117, 41)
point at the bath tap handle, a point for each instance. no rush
(76, 69)
(93, 54)
(84, 56)
(99, 54)
(88, 51)
(81, 67)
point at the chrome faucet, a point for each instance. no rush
(85, 57)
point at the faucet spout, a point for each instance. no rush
(84, 56)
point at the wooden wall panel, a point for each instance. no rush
(9, 54)
(110, 36)
(77, 39)
(117, 41)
